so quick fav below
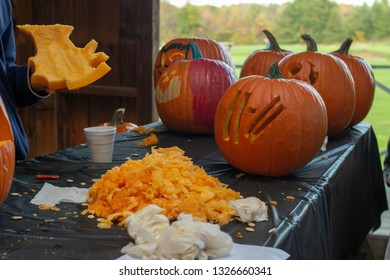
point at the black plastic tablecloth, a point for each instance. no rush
(339, 198)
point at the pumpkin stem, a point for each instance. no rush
(344, 48)
(274, 72)
(273, 44)
(117, 118)
(311, 44)
(196, 53)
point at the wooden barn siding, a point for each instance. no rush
(126, 30)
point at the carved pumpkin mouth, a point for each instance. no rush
(303, 71)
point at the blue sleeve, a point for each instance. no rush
(18, 76)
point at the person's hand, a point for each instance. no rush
(42, 88)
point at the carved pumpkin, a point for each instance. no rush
(330, 76)
(363, 77)
(260, 61)
(180, 48)
(7, 154)
(188, 92)
(270, 126)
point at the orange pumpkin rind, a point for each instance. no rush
(6, 131)
(7, 168)
(58, 64)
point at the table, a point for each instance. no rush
(339, 198)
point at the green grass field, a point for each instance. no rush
(376, 54)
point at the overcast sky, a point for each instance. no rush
(180, 3)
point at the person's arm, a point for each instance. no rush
(19, 76)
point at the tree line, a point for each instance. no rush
(324, 20)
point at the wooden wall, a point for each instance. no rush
(127, 31)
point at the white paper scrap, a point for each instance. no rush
(52, 195)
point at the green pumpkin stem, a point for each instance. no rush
(273, 44)
(311, 44)
(344, 48)
(274, 72)
(196, 53)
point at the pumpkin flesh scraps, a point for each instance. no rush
(149, 141)
(166, 178)
(58, 64)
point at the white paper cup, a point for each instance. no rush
(100, 141)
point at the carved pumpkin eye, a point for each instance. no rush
(171, 57)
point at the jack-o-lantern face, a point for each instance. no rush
(170, 54)
(188, 92)
(270, 127)
(181, 48)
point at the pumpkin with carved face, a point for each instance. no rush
(188, 92)
(182, 48)
(270, 126)
(330, 76)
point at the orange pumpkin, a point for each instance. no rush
(7, 168)
(330, 76)
(5, 126)
(180, 48)
(260, 61)
(270, 126)
(7, 154)
(188, 92)
(364, 80)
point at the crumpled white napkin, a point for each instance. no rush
(155, 238)
(250, 209)
(52, 195)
